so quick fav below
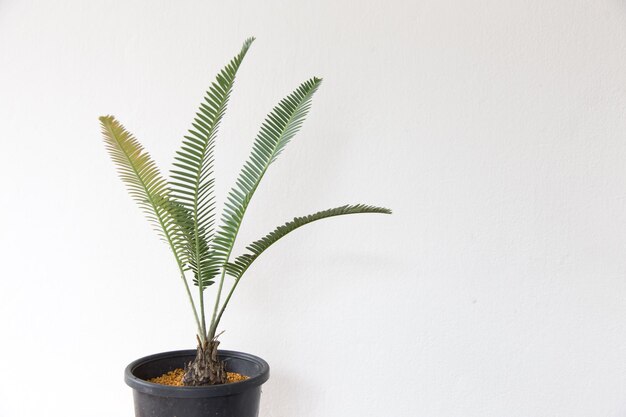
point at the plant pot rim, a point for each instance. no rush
(160, 390)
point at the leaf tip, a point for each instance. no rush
(106, 120)
(247, 43)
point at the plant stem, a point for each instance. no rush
(193, 305)
(230, 294)
(203, 321)
(213, 327)
(199, 273)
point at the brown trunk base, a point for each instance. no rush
(206, 368)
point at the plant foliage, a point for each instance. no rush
(182, 210)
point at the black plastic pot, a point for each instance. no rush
(237, 399)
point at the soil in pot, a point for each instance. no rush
(175, 378)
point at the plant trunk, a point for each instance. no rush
(206, 368)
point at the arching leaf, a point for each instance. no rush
(145, 184)
(193, 181)
(256, 248)
(277, 130)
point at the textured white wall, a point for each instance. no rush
(494, 129)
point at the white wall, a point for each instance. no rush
(494, 129)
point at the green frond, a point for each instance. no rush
(184, 221)
(256, 248)
(145, 183)
(192, 180)
(182, 210)
(277, 130)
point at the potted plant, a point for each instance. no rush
(205, 381)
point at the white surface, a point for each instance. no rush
(494, 129)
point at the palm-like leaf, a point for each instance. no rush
(241, 264)
(192, 177)
(182, 210)
(150, 190)
(256, 248)
(184, 219)
(145, 183)
(277, 130)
